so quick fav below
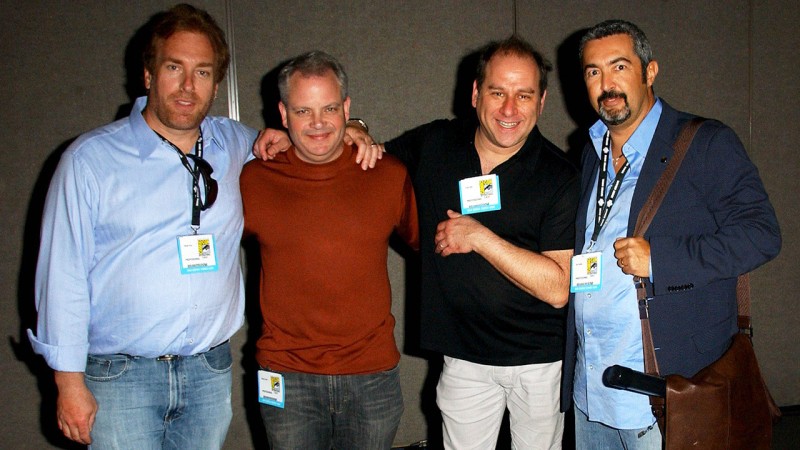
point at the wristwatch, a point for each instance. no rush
(360, 122)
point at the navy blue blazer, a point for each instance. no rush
(715, 223)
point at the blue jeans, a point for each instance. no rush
(147, 404)
(339, 412)
(597, 436)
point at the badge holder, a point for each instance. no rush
(271, 390)
(479, 194)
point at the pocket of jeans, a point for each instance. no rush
(106, 368)
(219, 359)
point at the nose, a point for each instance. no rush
(606, 82)
(509, 106)
(316, 120)
(188, 83)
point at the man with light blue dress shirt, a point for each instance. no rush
(714, 224)
(138, 283)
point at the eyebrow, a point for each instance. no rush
(610, 63)
(621, 58)
(173, 60)
(329, 105)
(492, 87)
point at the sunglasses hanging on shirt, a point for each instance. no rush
(201, 176)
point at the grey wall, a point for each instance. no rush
(65, 72)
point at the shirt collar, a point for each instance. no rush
(148, 141)
(639, 141)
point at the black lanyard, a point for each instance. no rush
(604, 203)
(197, 204)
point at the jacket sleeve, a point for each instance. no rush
(720, 223)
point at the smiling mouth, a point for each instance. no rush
(319, 136)
(507, 124)
(185, 102)
(612, 97)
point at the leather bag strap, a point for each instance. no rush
(743, 300)
(680, 147)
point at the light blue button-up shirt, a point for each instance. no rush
(607, 321)
(108, 278)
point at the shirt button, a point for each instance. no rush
(191, 341)
(195, 307)
(589, 332)
(591, 366)
(588, 295)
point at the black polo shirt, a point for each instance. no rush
(469, 310)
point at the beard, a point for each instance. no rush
(170, 117)
(179, 121)
(613, 117)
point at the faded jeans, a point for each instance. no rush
(182, 402)
(341, 412)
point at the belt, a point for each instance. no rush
(174, 357)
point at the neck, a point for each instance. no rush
(183, 139)
(622, 132)
(491, 155)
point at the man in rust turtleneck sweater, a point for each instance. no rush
(323, 227)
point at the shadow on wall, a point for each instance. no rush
(270, 96)
(465, 78)
(253, 323)
(26, 305)
(573, 89)
(134, 66)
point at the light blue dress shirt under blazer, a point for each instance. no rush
(108, 278)
(607, 321)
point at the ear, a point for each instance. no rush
(148, 79)
(652, 71)
(541, 102)
(346, 107)
(475, 94)
(282, 109)
(216, 88)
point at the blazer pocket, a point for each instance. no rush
(714, 338)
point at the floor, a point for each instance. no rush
(785, 434)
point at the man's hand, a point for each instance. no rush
(76, 407)
(633, 256)
(368, 151)
(270, 142)
(457, 234)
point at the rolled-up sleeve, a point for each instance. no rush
(65, 257)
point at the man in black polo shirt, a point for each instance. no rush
(494, 281)
(497, 205)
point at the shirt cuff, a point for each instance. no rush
(71, 358)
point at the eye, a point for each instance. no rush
(331, 109)
(524, 96)
(300, 112)
(591, 73)
(621, 67)
(204, 73)
(172, 67)
(497, 94)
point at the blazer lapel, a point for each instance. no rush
(658, 155)
(590, 166)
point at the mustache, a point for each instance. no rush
(608, 95)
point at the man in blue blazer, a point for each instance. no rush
(715, 223)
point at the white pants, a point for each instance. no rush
(474, 397)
